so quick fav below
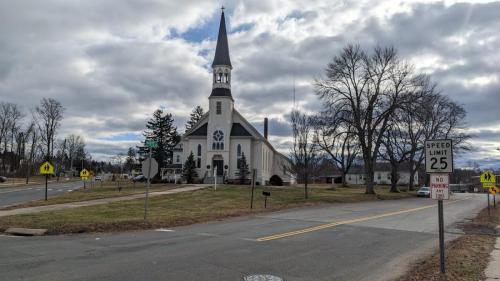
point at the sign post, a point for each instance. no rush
(253, 188)
(215, 178)
(149, 169)
(84, 174)
(489, 180)
(46, 169)
(439, 164)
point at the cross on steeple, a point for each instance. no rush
(222, 8)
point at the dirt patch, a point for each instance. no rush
(466, 257)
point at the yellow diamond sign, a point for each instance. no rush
(493, 190)
(487, 177)
(46, 168)
(84, 174)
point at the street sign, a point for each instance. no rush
(438, 156)
(440, 186)
(151, 144)
(488, 179)
(84, 174)
(145, 168)
(493, 190)
(46, 168)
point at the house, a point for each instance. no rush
(382, 175)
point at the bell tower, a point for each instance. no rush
(221, 103)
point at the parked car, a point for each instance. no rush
(139, 178)
(3, 179)
(98, 178)
(424, 191)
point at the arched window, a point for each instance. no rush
(218, 140)
(198, 160)
(238, 156)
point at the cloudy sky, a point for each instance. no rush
(112, 63)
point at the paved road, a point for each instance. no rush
(16, 195)
(364, 241)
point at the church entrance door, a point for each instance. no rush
(219, 164)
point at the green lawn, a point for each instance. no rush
(97, 191)
(185, 208)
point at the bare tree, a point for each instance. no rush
(336, 138)
(303, 153)
(49, 116)
(367, 88)
(34, 138)
(439, 118)
(75, 144)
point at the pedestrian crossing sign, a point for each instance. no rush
(84, 174)
(46, 168)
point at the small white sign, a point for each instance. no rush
(145, 168)
(440, 186)
(438, 156)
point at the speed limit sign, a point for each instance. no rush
(438, 156)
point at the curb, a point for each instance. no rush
(25, 231)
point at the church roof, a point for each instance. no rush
(221, 92)
(201, 131)
(237, 130)
(222, 49)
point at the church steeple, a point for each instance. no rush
(221, 66)
(222, 49)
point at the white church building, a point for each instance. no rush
(222, 136)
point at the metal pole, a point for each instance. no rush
(46, 182)
(215, 177)
(441, 235)
(488, 203)
(265, 202)
(147, 188)
(253, 187)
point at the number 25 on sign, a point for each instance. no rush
(438, 156)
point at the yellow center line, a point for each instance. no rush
(333, 224)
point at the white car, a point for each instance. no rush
(424, 191)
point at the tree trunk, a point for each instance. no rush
(370, 185)
(344, 182)
(411, 182)
(306, 177)
(394, 178)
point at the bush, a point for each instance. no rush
(276, 180)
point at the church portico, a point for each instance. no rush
(222, 137)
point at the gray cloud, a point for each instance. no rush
(112, 64)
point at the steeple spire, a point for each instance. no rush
(222, 49)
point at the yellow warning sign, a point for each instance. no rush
(487, 177)
(494, 190)
(46, 168)
(84, 174)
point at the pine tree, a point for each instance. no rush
(243, 170)
(189, 170)
(196, 115)
(161, 129)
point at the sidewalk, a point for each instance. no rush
(492, 272)
(64, 206)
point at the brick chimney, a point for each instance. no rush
(265, 128)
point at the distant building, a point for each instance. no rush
(382, 175)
